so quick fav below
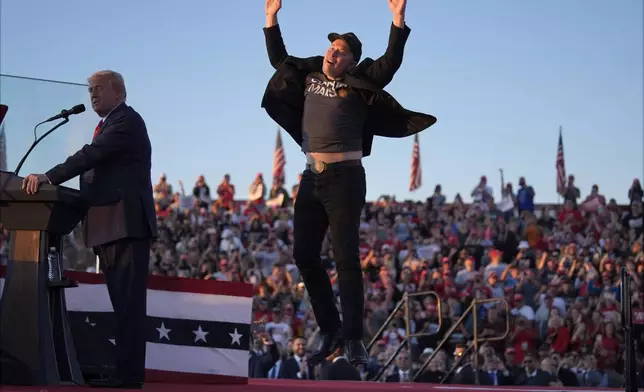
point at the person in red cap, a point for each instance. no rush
(333, 106)
(496, 265)
(521, 309)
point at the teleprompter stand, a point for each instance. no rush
(36, 344)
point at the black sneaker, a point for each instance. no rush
(331, 343)
(356, 352)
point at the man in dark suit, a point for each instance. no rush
(338, 368)
(120, 222)
(494, 372)
(263, 356)
(297, 366)
(332, 106)
(403, 371)
(532, 375)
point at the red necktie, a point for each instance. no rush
(98, 128)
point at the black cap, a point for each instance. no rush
(352, 40)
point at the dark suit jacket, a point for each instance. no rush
(284, 96)
(568, 378)
(260, 364)
(503, 379)
(432, 377)
(340, 370)
(396, 376)
(541, 379)
(290, 368)
(115, 180)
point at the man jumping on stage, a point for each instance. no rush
(333, 106)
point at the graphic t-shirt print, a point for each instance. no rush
(326, 88)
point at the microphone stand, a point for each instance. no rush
(38, 140)
(54, 278)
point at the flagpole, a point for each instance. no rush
(3, 138)
(415, 180)
(558, 194)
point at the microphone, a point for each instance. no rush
(78, 109)
(64, 115)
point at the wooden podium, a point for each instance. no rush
(36, 345)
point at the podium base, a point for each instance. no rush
(13, 371)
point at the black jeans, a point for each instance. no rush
(332, 199)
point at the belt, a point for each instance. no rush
(318, 166)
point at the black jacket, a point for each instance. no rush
(115, 180)
(502, 378)
(284, 96)
(340, 370)
(465, 375)
(540, 379)
(290, 368)
(260, 364)
(395, 377)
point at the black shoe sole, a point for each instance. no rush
(334, 351)
(358, 361)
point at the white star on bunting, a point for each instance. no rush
(200, 334)
(235, 336)
(163, 332)
(89, 322)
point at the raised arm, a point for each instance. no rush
(382, 71)
(273, 35)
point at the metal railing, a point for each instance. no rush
(408, 335)
(630, 370)
(472, 309)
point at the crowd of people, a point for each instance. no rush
(556, 267)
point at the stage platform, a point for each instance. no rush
(311, 386)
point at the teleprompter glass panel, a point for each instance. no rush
(29, 102)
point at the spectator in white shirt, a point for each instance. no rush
(520, 308)
(280, 331)
(482, 192)
(465, 275)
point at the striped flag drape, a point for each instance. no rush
(196, 332)
(279, 161)
(3, 140)
(561, 166)
(415, 180)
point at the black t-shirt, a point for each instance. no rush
(334, 116)
(571, 193)
(547, 222)
(635, 222)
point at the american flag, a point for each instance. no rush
(561, 166)
(197, 331)
(415, 181)
(279, 161)
(3, 141)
